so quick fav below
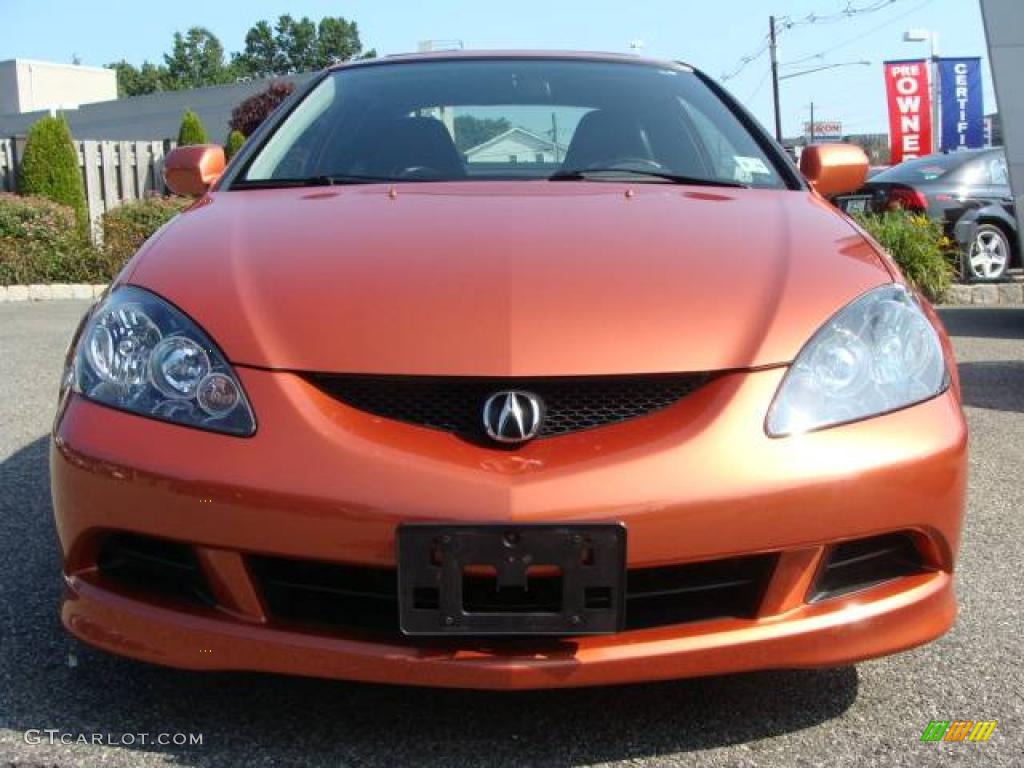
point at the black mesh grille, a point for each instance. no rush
(455, 404)
(363, 599)
(153, 566)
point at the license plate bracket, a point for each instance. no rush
(497, 579)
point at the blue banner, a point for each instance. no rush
(963, 115)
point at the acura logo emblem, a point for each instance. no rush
(513, 416)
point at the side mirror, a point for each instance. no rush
(191, 171)
(834, 169)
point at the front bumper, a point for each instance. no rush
(698, 481)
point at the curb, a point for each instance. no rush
(50, 291)
(985, 294)
(979, 295)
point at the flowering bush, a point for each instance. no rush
(40, 242)
(919, 246)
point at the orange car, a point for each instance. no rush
(509, 370)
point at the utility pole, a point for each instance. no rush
(812, 124)
(775, 77)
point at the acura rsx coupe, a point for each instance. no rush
(509, 370)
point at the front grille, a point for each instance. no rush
(677, 594)
(156, 567)
(456, 404)
(363, 599)
(312, 592)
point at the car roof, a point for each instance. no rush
(958, 155)
(459, 54)
(947, 162)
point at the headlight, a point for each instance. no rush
(138, 353)
(878, 354)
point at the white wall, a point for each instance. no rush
(502, 151)
(153, 117)
(31, 86)
(1004, 28)
(8, 87)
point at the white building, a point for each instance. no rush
(34, 86)
(1004, 27)
(152, 117)
(516, 145)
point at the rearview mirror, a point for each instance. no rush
(191, 171)
(834, 169)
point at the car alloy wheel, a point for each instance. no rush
(989, 254)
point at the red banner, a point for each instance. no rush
(910, 109)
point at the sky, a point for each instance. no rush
(713, 36)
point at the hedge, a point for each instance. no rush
(234, 143)
(49, 167)
(191, 130)
(918, 245)
(40, 242)
(127, 227)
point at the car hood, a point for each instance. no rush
(510, 278)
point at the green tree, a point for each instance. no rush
(471, 131)
(49, 167)
(196, 60)
(261, 57)
(234, 143)
(191, 130)
(338, 40)
(297, 42)
(298, 45)
(136, 81)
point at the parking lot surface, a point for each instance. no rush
(871, 714)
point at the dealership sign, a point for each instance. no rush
(910, 109)
(824, 130)
(963, 119)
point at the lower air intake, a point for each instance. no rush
(862, 563)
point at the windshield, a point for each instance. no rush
(483, 119)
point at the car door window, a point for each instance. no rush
(997, 172)
(987, 171)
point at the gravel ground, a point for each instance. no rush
(872, 714)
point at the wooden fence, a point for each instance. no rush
(113, 172)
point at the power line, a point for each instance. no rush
(851, 10)
(747, 60)
(760, 85)
(857, 38)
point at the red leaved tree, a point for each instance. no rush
(248, 115)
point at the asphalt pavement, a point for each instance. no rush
(871, 714)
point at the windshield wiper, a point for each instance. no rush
(584, 174)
